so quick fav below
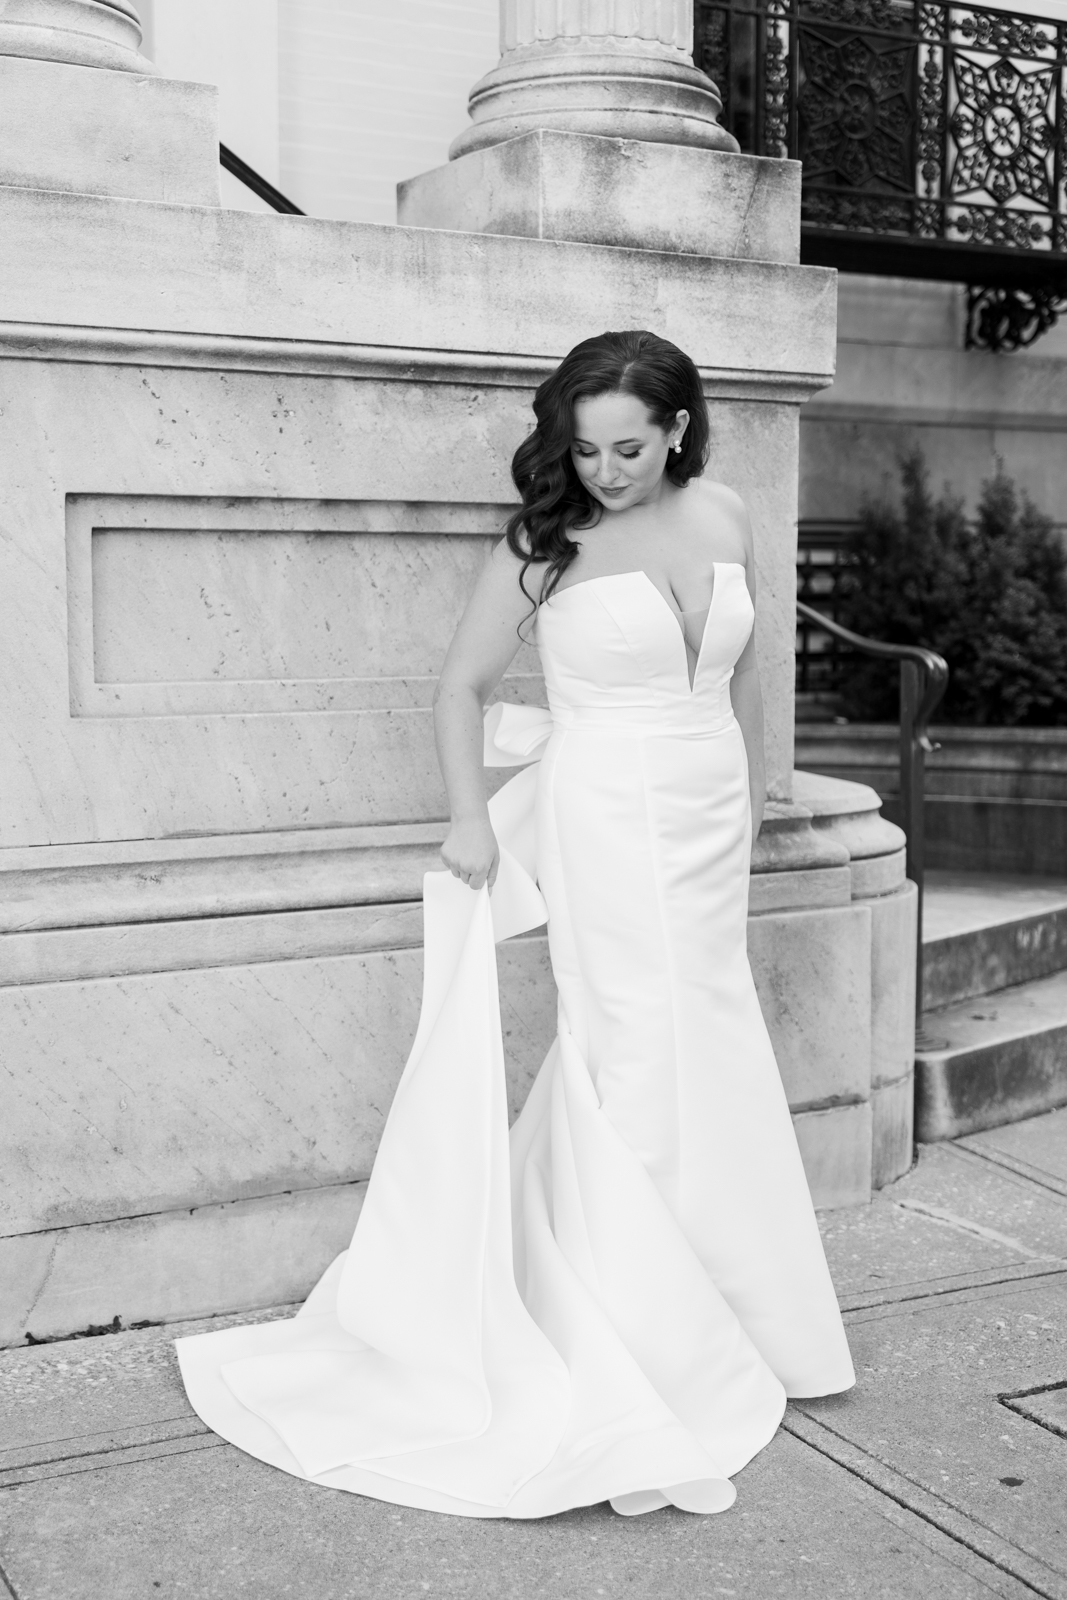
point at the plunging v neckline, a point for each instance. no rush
(639, 572)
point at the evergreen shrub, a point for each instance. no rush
(988, 593)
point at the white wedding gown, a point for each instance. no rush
(616, 1307)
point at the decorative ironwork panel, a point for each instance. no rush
(933, 137)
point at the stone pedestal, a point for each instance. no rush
(95, 130)
(555, 185)
(82, 110)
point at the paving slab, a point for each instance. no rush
(961, 1402)
(930, 1406)
(942, 1475)
(973, 1198)
(1035, 1149)
(217, 1525)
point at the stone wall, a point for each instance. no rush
(904, 378)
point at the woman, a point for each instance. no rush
(630, 1326)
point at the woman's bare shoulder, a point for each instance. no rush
(727, 523)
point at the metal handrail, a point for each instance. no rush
(923, 680)
(257, 183)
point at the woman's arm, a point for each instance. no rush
(481, 651)
(747, 698)
(745, 693)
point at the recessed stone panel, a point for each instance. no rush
(192, 605)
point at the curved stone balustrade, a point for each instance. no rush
(616, 68)
(850, 814)
(82, 33)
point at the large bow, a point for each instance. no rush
(515, 736)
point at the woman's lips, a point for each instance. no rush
(614, 492)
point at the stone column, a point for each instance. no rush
(81, 110)
(621, 68)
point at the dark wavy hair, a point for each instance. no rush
(554, 499)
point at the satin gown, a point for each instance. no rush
(614, 1301)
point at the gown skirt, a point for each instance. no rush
(614, 1301)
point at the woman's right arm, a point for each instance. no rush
(482, 649)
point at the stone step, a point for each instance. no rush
(990, 1060)
(984, 932)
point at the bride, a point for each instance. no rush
(613, 1302)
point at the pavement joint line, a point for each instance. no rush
(7, 1588)
(1010, 1402)
(1012, 1164)
(949, 1219)
(1028, 1416)
(129, 1456)
(948, 1283)
(954, 1295)
(928, 1506)
(100, 1442)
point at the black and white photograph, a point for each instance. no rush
(533, 800)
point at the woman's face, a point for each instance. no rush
(619, 452)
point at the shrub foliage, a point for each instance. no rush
(988, 593)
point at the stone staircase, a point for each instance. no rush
(994, 1043)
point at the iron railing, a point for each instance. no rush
(257, 183)
(923, 680)
(933, 140)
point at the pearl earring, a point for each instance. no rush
(677, 445)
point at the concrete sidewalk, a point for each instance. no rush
(943, 1475)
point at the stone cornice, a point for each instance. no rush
(322, 359)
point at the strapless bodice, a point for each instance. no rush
(614, 653)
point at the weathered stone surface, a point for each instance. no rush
(617, 70)
(91, 131)
(234, 273)
(554, 185)
(993, 1060)
(173, 1264)
(787, 842)
(134, 949)
(813, 973)
(878, 875)
(93, 33)
(273, 1077)
(145, 880)
(893, 934)
(892, 1130)
(227, 753)
(836, 1149)
(791, 890)
(983, 932)
(848, 813)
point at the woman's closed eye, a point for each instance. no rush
(627, 455)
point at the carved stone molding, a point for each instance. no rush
(84, 33)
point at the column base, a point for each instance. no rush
(628, 192)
